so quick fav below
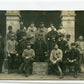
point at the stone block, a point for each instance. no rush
(40, 68)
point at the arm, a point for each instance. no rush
(23, 54)
(51, 57)
(33, 54)
(60, 56)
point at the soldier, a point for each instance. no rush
(21, 47)
(12, 54)
(61, 30)
(20, 33)
(1, 52)
(63, 46)
(51, 38)
(51, 27)
(42, 31)
(10, 33)
(31, 32)
(80, 47)
(40, 49)
(56, 58)
(28, 55)
(73, 58)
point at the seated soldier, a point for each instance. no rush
(73, 58)
(28, 55)
(56, 58)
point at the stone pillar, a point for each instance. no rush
(68, 22)
(13, 19)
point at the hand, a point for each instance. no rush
(26, 57)
(8, 55)
(17, 54)
(48, 38)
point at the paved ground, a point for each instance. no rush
(15, 76)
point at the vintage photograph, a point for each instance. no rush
(41, 45)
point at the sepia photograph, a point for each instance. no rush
(41, 45)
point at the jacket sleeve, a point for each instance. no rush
(7, 46)
(33, 53)
(60, 55)
(23, 54)
(51, 56)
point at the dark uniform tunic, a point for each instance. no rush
(28, 55)
(73, 55)
(40, 49)
(52, 38)
(20, 34)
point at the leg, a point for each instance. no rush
(59, 68)
(75, 69)
(26, 66)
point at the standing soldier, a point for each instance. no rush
(42, 31)
(80, 47)
(12, 54)
(51, 37)
(61, 31)
(62, 43)
(1, 52)
(20, 33)
(40, 49)
(31, 31)
(21, 47)
(28, 55)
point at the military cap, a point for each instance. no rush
(9, 27)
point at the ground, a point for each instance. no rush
(15, 76)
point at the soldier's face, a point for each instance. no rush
(24, 37)
(32, 25)
(73, 47)
(28, 46)
(61, 27)
(61, 38)
(56, 47)
(51, 25)
(12, 38)
(81, 38)
(10, 30)
(42, 25)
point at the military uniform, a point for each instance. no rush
(40, 49)
(20, 33)
(73, 59)
(31, 33)
(11, 50)
(9, 34)
(56, 59)
(42, 32)
(28, 55)
(21, 47)
(51, 38)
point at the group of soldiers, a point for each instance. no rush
(41, 45)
